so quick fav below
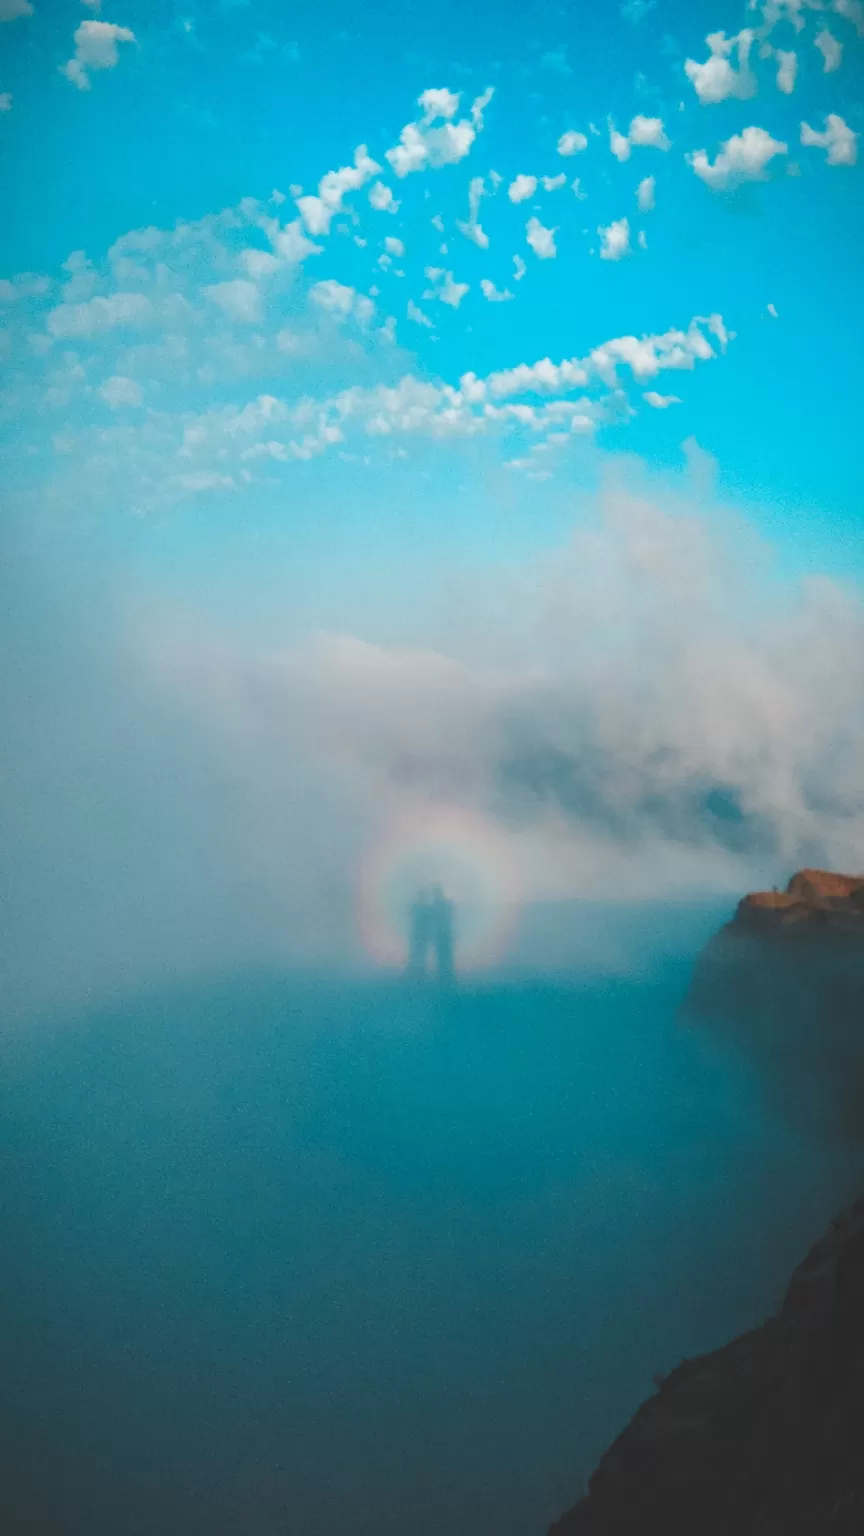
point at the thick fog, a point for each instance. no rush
(631, 712)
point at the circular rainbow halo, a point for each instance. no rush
(461, 852)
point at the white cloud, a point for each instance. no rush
(645, 194)
(519, 268)
(393, 246)
(416, 314)
(717, 79)
(659, 402)
(772, 310)
(830, 49)
(95, 48)
(776, 11)
(289, 241)
(648, 133)
(205, 480)
(425, 147)
(615, 240)
(340, 300)
(619, 144)
(99, 314)
(852, 11)
(10, 10)
(238, 299)
(318, 212)
(445, 289)
(572, 143)
(839, 140)
(742, 158)
(478, 107)
(576, 189)
(293, 343)
(258, 264)
(521, 188)
(491, 293)
(540, 239)
(382, 199)
(119, 391)
(471, 228)
(5, 101)
(644, 133)
(552, 183)
(439, 103)
(787, 71)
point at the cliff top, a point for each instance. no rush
(810, 891)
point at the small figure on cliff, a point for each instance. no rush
(431, 930)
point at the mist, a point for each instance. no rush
(644, 713)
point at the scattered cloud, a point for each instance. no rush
(787, 71)
(416, 314)
(648, 133)
(659, 402)
(393, 246)
(838, 138)
(772, 310)
(519, 269)
(635, 11)
(552, 183)
(644, 132)
(104, 313)
(444, 287)
(342, 301)
(10, 10)
(5, 101)
(491, 293)
(645, 194)
(521, 188)
(317, 212)
(423, 146)
(381, 198)
(830, 49)
(238, 299)
(96, 47)
(717, 79)
(852, 11)
(438, 103)
(742, 158)
(118, 392)
(540, 239)
(572, 143)
(619, 144)
(471, 227)
(615, 240)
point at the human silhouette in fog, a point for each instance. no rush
(431, 933)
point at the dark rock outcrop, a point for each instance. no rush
(764, 1437)
(784, 980)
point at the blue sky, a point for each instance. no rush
(391, 325)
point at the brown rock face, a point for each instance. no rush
(764, 1437)
(813, 896)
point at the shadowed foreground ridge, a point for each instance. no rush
(764, 1437)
